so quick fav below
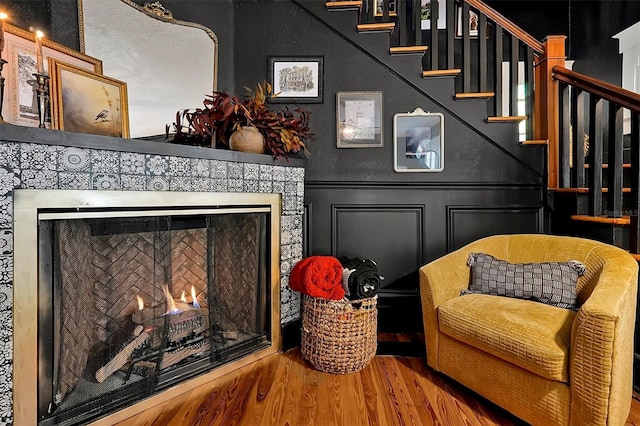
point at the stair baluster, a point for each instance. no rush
(514, 59)
(578, 180)
(482, 53)
(614, 171)
(451, 28)
(596, 109)
(498, 47)
(466, 49)
(528, 90)
(434, 48)
(634, 240)
(564, 141)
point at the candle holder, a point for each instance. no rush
(43, 97)
(2, 62)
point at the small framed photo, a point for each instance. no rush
(86, 102)
(426, 11)
(418, 141)
(296, 79)
(20, 102)
(359, 119)
(474, 24)
(380, 8)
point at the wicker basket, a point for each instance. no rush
(339, 337)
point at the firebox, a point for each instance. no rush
(135, 293)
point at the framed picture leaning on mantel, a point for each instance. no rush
(20, 101)
(296, 79)
(359, 120)
(86, 102)
(418, 141)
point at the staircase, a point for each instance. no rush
(592, 189)
(392, 43)
(588, 129)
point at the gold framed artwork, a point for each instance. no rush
(20, 101)
(87, 102)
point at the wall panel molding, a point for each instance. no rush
(392, 235)
(469, 223)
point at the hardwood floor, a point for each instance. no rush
(285, 390)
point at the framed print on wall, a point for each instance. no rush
(20, 102)
(473, 24)
(418, 141)
(296, 79)
(87, 102)
(426, 11)
(359, 119)
(380, 8)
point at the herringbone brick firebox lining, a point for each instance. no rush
(97, 294)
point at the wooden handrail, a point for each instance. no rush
(618, 95)
(508, 26)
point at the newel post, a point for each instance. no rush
(546, 99)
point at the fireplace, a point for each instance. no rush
(127, 295)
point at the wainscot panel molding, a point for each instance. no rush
(469, 223)
(403, 238)
(404, 226)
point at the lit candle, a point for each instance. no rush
(3, 16)
(39, 62)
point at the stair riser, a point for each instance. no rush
(612, 234)
(582, 206)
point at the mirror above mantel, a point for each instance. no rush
(168, 64)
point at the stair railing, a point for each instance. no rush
(489, 50)
(591, 115)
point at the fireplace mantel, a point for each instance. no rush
(49, 159)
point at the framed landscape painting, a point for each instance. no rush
(87, 102)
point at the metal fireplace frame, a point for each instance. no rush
(31, 204)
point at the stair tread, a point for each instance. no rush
(333, 5)
(606, 166)
(408, 50)
(535, 142)
(506, 119)
(583, 190)
(475, 95)
(382, 26)
(624, 220)
(441, 73)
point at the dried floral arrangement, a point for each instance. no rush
(285, 132)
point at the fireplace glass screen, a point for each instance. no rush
(133, 302)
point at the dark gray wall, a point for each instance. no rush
(593, 24)
(539, 18)
(357, 205)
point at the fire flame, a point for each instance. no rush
(140, 302)
(194, 298)
(183, 297)
(171, 304)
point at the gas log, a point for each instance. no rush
(161, 339)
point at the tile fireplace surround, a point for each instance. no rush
(48, 159)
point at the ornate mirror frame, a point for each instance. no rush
(164, 61)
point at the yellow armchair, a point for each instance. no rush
(544, 364)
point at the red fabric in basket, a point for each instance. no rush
(318, 276)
